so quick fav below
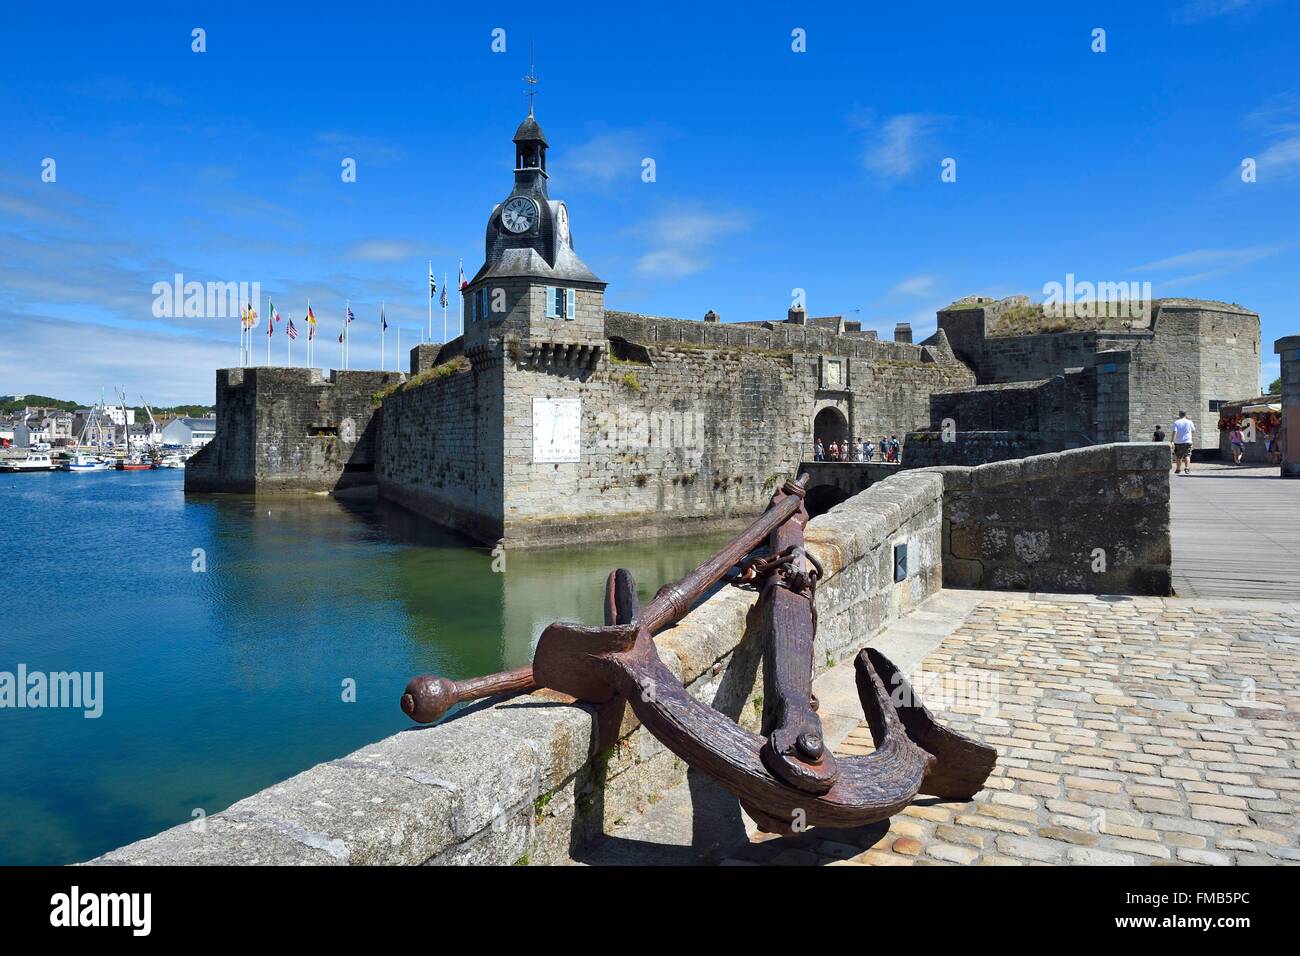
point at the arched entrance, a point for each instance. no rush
(822, 498)
(830, 425)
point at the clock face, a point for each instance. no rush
(520, 214)
(562, 224)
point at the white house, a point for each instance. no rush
(28, 434)
(189, 432)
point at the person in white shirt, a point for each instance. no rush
(1183, 430)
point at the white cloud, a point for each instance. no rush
(367, 150)
(897, 146)
(607, 158)
(71, 360)
(918, 286)
(680, 240)
(383, 250)
(1193, 11)
(1211, 263)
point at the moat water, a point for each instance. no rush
(222, 681)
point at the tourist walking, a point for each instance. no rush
(1238, 441)
(819, 453)
(1184, 428)
(868, 450)
(1159, 436)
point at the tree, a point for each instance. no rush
(1276, 387)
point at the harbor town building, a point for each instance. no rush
(554, 419)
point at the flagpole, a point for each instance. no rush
(461, 289)
(289, 340)
(431, 299)
(311, 338)
(347, 331)
(270, 330)
(382, 330)
(444, 309)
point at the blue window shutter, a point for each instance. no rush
(568, 303)
(550, 302)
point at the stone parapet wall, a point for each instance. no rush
(521, 780)
(1090, 520)
(779, 336)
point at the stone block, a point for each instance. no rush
(1143, 456)
(996, 474)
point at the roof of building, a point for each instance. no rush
(196, 424)
(530, 131)
(528, 262)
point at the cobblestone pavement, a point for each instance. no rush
(1129, 731)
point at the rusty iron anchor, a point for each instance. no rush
(786, 779)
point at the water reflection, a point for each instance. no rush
(222, 682)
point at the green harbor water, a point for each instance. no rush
(221, 681)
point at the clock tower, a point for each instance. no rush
(533, 290)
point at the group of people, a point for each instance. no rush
(889, 449)
(1183, 430)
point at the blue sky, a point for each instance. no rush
(775, 169)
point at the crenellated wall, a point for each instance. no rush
(1189, 354)
(290, 429)
(683, 425)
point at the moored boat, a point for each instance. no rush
(36, 461)
(83, 463)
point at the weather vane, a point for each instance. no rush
(531, 78)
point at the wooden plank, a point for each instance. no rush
(1234, 533)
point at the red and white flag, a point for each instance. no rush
(293, 331)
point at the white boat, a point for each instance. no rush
(33, 462)
(172, 461)
(86, 463)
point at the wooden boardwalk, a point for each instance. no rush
(1236, 532)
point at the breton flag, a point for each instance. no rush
(311, 316)
(275, 313)
(433, 285)
(293, 332)
(383, 320)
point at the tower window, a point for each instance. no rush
(559, 303)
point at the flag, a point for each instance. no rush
(293, 332)
(350, 315)
(270, 329)
(443, 302)
(383, 320)
(275, 313)
(249, 317)
(463, 283)
(433, 285)
(340, 338)
(311, 331)
(311, 316)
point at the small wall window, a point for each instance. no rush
(323, 431)
(559, 303)
(1216, 404)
